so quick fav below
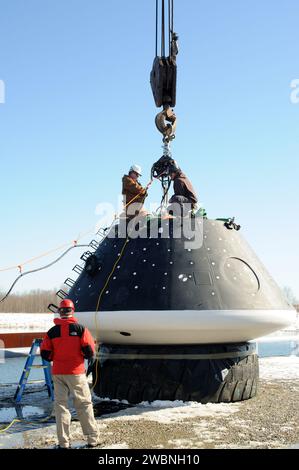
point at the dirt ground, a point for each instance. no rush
(270, 420)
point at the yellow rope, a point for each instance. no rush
(98, 306)
(9, 426)
(106, 284)
(16, 420)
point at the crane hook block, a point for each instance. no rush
(163, 81)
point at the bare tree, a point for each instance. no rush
(290, 296)
(34, 301)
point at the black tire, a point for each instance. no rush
(207, 380)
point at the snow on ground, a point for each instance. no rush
(122, 445)
(14, 322)
(168, 412)
(290, 333)
(279, 368)
(294, 326)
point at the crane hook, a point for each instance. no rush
(168, 130)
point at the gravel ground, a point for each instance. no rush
(270, 420)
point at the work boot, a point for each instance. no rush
(92, 441)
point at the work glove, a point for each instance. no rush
(91, 363)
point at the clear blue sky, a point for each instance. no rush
(79, 111)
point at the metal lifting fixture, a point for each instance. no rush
(164, 73)
(162, 170)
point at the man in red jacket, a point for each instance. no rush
(67, 344)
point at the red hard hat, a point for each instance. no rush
(67, 303)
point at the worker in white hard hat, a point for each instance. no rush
(133, 192)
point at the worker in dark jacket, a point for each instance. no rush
(184, 192)
(67, 344)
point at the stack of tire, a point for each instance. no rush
(202, 373)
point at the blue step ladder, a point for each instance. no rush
(27, 369)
